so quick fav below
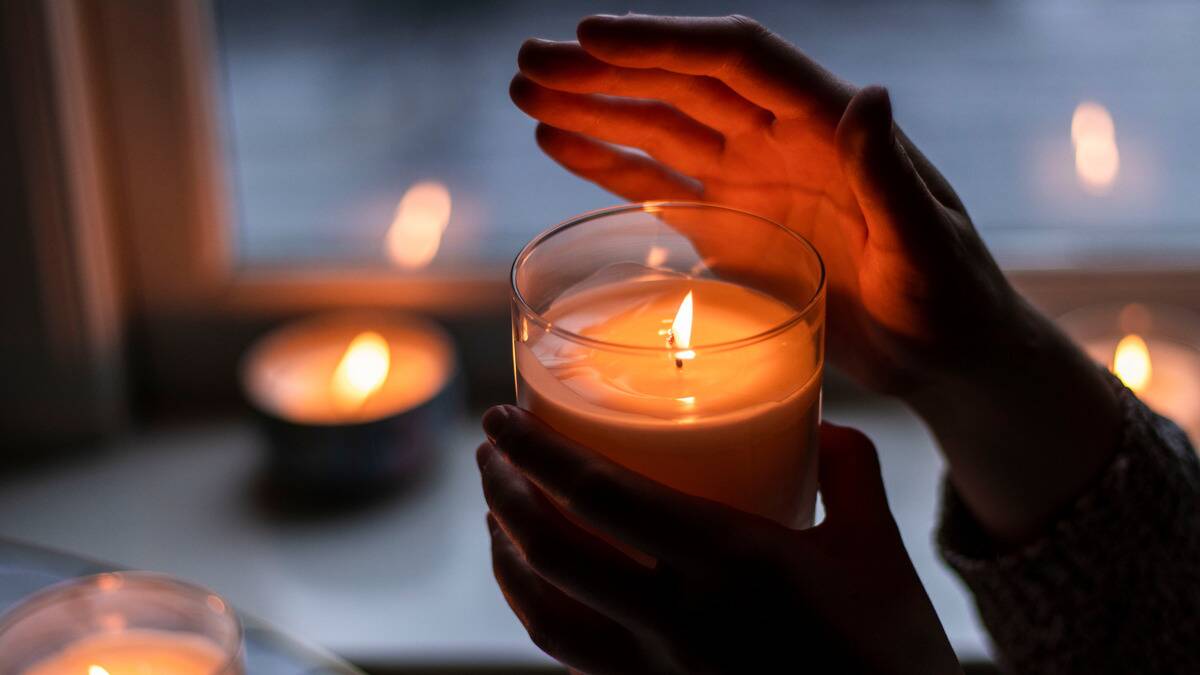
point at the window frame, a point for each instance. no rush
(179, 235)
(154, 108)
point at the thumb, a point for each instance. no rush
(850, 481)
(900, 211)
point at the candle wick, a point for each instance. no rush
(671, 344)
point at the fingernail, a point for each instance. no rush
(495, 420)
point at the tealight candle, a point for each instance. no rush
(1154, 350)
(351, 400)
(122, 623)
(696, 364)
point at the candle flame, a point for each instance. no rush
(1131, 362)
(681, 330)
(1097, 159)
(421, 218)
(96, 670)
(362, 370)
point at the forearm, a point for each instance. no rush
(1025, 432)
(1110, 586)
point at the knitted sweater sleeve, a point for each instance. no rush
(1114, 585)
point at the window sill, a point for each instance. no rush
(406, 582)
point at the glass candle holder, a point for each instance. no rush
(351, 403)
(121, 623)
(683, 341)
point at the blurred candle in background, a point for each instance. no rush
(347, 368)
(351, 401)
(1094, 136)
(1154, 350)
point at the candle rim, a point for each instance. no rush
(798, 314)
(72, 587)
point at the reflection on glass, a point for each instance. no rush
(1094, 136)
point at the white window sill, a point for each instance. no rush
(408, 582)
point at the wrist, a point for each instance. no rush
(1025, 429)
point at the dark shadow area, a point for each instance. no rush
(969, 668)
(282, 504)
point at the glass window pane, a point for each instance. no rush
(336, 108)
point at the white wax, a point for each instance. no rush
(737, 425)
(136, 652)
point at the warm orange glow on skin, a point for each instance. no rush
(96, 670)
(362, 370)
(1131, 363)
(416, 231)
(1097, 160)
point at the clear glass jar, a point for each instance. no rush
(729, 411)
(122, 623)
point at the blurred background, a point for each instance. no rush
(187, 175)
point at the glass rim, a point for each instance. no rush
(67, 589)
(797, 315)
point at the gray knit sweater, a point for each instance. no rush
(1114, 586)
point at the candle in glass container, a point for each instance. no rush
(707, 385)
(121, 623)
(351, 403)
(1153, 349)
(135, 652)
(736, 425)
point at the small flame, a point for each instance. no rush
(681, 329)
(421, 218)
(96, 670)
(1097, 160)
(362, 370)
(1131, 362)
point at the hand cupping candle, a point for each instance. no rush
(684, 341)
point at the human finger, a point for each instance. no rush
(660, 130)
(575, 561)
(564, 628)
(565, 66)
(849, 476)
(627, 174)
(653, 518)
(757, 64)
(901, 213)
